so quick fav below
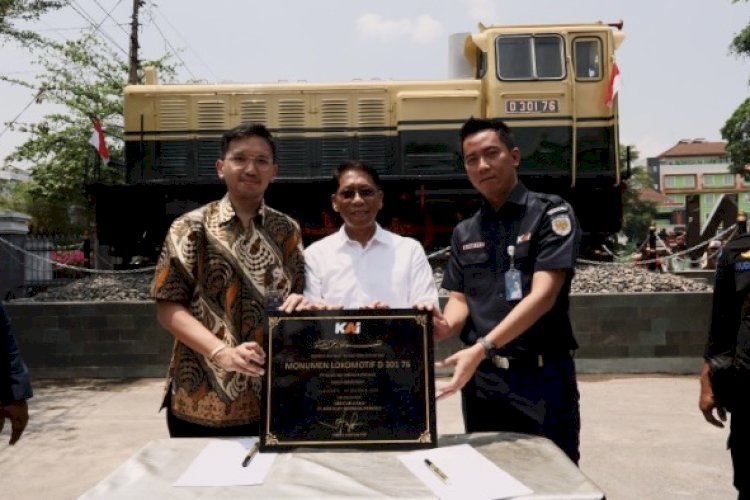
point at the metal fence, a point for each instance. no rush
(53, 260)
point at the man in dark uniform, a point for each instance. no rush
(509, 278)
(730, 335)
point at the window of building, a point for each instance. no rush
(679, 181)
(676, 198)
(527, 57)
(588, 59)
(709, 199)
(718, 180)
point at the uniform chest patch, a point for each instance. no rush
(474, 245)
(742, 267)
(561, 225)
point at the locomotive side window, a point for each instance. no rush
(527, 57)
(587, 57)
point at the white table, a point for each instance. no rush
(307, 473)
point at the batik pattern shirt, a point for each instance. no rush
(222, 273)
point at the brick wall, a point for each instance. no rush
(617, 333)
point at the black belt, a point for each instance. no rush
(527, 361)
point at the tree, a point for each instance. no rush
(24, 10)
(736, 131)
(84, 78)
(638, 213)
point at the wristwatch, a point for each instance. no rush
(488, 347)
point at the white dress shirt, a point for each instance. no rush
(391, 269)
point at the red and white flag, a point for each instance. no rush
(615, 82)
(97, 140)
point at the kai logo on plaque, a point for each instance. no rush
(348, 328)
(350, 379)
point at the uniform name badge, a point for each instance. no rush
(513, 289)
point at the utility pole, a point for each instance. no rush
(133, 75)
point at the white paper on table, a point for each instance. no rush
(220, 464)
(470, 474)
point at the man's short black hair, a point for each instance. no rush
(474, 125)
(247, 130)
(357, 166)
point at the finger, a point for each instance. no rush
(249, 366)
(251, 358)
(446, 363)
(253, 347)
(709, 416)
(722, 412)
(445, 391)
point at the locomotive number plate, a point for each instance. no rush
(532, 106)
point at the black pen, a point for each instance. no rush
(250, 454)
(435, 469)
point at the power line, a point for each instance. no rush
(109, 15)
(13, 121)
(82, 12)
(154, 7)
(169, 44)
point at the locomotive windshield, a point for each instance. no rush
(530, 57)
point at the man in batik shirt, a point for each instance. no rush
(218, 266)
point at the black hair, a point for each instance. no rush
(247, 130)
(357, 166)
(474, 125)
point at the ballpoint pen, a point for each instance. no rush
(250, 454)
(436, 470)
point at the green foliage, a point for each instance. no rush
(736, 132)
(638, 213)
(741, 43)
(24, 10)
(83, 78)
(14, 196)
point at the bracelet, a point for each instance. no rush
(216, 351)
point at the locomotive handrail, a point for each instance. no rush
(574, 119)
(536, 93)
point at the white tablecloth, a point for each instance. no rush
(307, 473)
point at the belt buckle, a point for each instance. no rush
(501, 362)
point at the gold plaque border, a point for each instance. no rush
(419, 318)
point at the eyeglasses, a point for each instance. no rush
(365, 192)
(261, 162)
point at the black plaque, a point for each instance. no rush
(349, 378)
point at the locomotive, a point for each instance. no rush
(547, 82)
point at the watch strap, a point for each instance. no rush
(488, 347)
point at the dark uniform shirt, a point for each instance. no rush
(730, 316)
(544, 231)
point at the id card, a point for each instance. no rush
(513, 290)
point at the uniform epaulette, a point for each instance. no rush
(550, 198)
(739, 241)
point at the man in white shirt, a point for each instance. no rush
(363, 265)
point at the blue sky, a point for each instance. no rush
(679, 80)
